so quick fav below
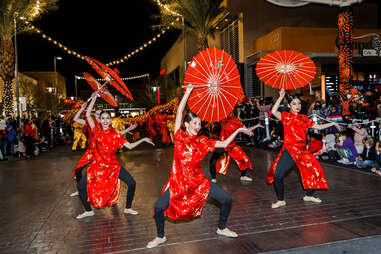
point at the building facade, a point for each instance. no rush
(257, 27)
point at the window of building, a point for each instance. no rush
(230, 40)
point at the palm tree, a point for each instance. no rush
(12, 11)
(200, 17)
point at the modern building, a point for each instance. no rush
(255, 28)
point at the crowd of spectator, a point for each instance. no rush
(28, 138)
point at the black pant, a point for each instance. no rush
(215, 192)
(213, 161)
(285, 163)
(123, 175)
(78, 172)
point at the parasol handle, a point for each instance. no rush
(100, 89)
(197, 86)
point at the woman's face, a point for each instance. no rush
(295, 105)
(194, 126)
(105, 120)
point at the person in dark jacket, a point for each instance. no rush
(377, 168)
(368, 156)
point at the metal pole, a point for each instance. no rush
(16, 70)
(75, 83)
(185, 55)
(267, 126)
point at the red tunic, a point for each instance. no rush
(102, 175)
(228, 127)
(188, 186)
(88, 156)
(161, 124)
(295, 129)
(150, 128)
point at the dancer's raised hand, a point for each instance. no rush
(247, 131)
(149, 141)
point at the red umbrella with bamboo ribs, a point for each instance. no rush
(111, 76)
(95, 85)
(286, 69)
(216, 82)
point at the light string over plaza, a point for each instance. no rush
(126, 78)
(81, 56)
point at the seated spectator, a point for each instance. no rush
(346, 149)
(377, 168)
(360, 134)
(368, 156)
(334, 116)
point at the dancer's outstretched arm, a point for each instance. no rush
(133, 145)
(244, 130)
(90, 108)
(274, 110)
(327, 125)
(78, 114)
(180, 109)
(130, 128)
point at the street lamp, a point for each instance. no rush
(16, 65)
(55, 71)
(75, 83)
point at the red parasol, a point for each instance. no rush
(106, 95)
(111, 76)
(216, 80)
(286, 69)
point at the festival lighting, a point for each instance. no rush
(345, 51)
(80, 56)
(126, 78)
(167, 9)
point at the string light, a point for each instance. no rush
(126, 78)
(36, 9)
(167, 9)
(139, 49)
(80, 56)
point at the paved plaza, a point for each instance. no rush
(38, 215)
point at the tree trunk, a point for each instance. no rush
(202, 42)
(7, 57)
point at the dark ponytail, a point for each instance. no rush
(290, 98)
(187, 118)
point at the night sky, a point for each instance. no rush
(104, 30)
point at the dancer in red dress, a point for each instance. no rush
(228, 126)
(100, 186)
(88, 156)
(294, 151)
(187, 188)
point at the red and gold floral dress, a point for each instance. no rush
(228, 126)
(88, 156)
(103, 183)
(188, 186)
(295, 129)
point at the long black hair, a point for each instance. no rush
(290, 98)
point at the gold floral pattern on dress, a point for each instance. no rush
(295, 130)
(188, 186)
(102, 175)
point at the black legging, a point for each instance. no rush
(78, 172)
(215, 192)
(213, 161)
(123, 175)
(285, 163)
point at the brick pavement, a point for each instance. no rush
(37, 213)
